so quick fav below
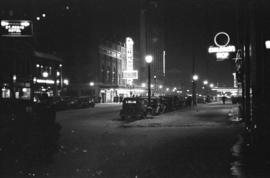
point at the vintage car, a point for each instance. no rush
(133, 108)
(155, 107)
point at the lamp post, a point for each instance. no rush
(148, 60)
(155, 80)
(194, 79)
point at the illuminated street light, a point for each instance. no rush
(267, 44)
(14, 78)
(91, 84)
(148, 60)
(143, 85)
(38, 18)
(45, 74)
(44, 15)
(205, 82)
(160, 86)
(167, 89)
(211, 85)
(195, 77)
(37, 65)
(66, 81)
(152, 86)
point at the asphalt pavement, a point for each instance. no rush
(185, 143)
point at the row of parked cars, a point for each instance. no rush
(138, 107)
(68, 102)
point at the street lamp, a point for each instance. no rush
(195, 77)
(66, 81)
(91, 84)
(143, 85)
(205, 82)
(148, 60)
(211, 85)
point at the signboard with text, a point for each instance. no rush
(130, 74)
(222, 50)
(16, 28)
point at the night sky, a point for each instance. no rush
(189, 26)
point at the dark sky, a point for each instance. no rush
(190, 26)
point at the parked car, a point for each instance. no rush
(133, 108)
(85, 101)
(155, 107)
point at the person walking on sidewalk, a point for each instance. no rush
(223, 99)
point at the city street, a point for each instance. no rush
(184, 143)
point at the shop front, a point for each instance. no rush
(113, 95)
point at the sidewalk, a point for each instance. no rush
(204, 115)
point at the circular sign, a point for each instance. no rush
(227, 41)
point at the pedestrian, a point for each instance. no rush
(188, 102)
(223, 99)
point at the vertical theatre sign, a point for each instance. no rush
(16, 28)
(222, 49)
(129, 74)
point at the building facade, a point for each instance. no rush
(113, 63)
(26, 73)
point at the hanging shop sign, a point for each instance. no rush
(16, 28)
(222, 50)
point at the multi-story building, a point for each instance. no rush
(152, 40)
(113, 64)
(25, 72)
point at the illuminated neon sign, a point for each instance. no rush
(129, 74)
(129, 53)
(16, 28)
(45, 81)
(222, 50)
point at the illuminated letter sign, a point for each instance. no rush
(16, 28)
(129, 74)
(222, 50)
(129, 53)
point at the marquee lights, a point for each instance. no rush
(45, 81)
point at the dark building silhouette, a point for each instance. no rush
(152, 39)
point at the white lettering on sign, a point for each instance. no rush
(222, 49)
(130, 74)
(222, 55)
(46, 81)
(16, 28)
(129, 53)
